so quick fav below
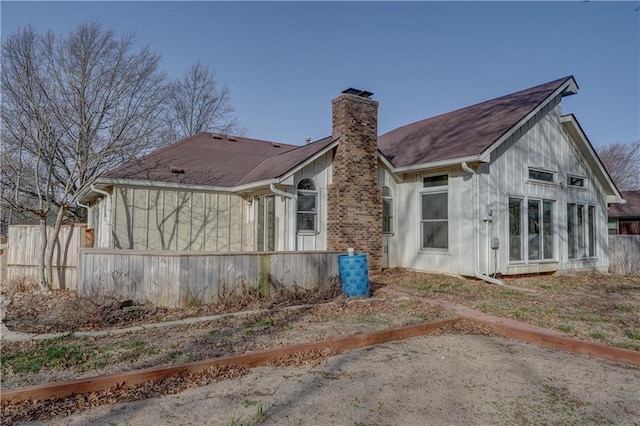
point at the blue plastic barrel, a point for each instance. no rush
(354, 275)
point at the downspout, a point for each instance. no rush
(99, 191)
(477, 274)
(292, 219)
(107, 239)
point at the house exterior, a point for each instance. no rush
(624, 219)
(507, 186)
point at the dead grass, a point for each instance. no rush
(591, 306)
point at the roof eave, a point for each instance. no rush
(572, 125)
(182, 186)
(286, 175)
(569, 87)
(437, 164)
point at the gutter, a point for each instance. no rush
(477, 274)
(435, 164)
(292, 197)
(99, 191)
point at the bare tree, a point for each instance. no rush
(72, 107)
(622, 161)
(198, 102)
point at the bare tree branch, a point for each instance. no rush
(198, 102)
(622, 161)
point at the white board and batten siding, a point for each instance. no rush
(23, 252)
(162, 219)
(178, 278)
(458, 258)
(320, 171)
(390, 247)
(541, 144)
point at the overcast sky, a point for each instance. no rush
(284, 62)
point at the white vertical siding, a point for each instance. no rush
(386, 179)
(320, 171)
(459, 258)
(543, 144)
(158, 219)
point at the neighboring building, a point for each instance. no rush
(506, 186)
(625, 218)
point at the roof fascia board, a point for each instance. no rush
(385, 164)
(570, 87)
(181, 186)
(434, 164)
(575, 130)
(384, 161)
(289, 173)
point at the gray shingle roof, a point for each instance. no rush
(205, 159)
(467, 131)
(225, 161)
(630, 209)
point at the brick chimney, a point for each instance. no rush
(354, 199)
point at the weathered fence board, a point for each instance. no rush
(23, 248)
(178, 278)
(624, 254)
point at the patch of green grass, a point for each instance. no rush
(56, 353)
(262, 412)
(546, 286)
(423, 287)
(130, 351)
(564, 328)
(249, 403)
(329, 375)
(370, 319)
(260, 323)
(632, 335)
(483, 307)
(597, 335)
(627, 345)
(626, 308)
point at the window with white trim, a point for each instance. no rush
(387, 210)
(575, 181)
(542, 176)
(307, 212)
(581, 228)
(434, 219)
(538, 226)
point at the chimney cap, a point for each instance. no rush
(358, 92)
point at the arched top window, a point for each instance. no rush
(307, 217)
(387, 210)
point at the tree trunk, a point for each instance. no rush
(42, 279)
(52, 245)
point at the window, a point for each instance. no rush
(307, 206)
(612, 225)
(387, 211)
(515, 229)
(575, 181)
(435, 212)
(581, 224)
(538, 227)
(266, 240)
(541, 176)
(591, 231)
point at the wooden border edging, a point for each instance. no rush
(563, 343)
(253, 359)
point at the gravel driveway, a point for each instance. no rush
(447, 379)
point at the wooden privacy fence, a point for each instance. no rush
(624, 254)
(178, 278)
(23, 248)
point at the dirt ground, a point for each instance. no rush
(446, 379)
(465, 376)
